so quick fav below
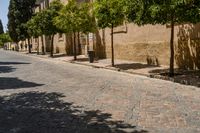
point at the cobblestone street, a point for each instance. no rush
(47, 96)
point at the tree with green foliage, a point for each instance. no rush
(4, 38)
(34, 28)
(46, 19)
(110, 13)
(1, 27)
(87, 18)
(171, 12)
(74, 18)
(20, 11)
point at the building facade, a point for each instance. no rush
(146, 44)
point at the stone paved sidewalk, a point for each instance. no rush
(160, 72)
(120, 65)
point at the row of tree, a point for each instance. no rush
(87, 17)
(71, 18)
(111, 13)
(4, 37)
(20, 11)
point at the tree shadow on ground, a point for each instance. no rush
(82, 59)
(100, 47)
(59, 55)
(12, 63)
(32, 52)
(187, 77)
(40, 112)
(127, 66)
(6, 69)
(15, 83)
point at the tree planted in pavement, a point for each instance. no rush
(110, 13)
(34, 29)
(171, 12)
(46, 18)
(75, 18)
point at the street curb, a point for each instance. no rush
(89, 65)
(153, 76)
(109, 68)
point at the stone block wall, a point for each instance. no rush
(147, 44)
(150, 44)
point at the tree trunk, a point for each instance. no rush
(38, 47)
(17, 47)
(72, 44)
(42, 45)
(52, 46)
(79, 44)
(29, 46)
(75, 46)
(171, 72)
(87, 42)
(112, 47)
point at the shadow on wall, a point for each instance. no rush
(45, 113)
(15, 83)
(152, 60)
(134, 66)
(48, 43)
(57, 49)
(69, 44)
(188, 47)
(100, 44)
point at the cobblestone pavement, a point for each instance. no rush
(47, 96)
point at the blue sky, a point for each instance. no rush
(4, 11)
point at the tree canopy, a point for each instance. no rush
(87, 18)
(170, 12)
(47, 16)
(20, 11)
(161, 11)
(45, 21)
(4, 38)
(109, 12)
(34, 26)
(75, 17)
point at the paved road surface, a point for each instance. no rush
(45, 96)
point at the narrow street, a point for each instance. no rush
(46, 96)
